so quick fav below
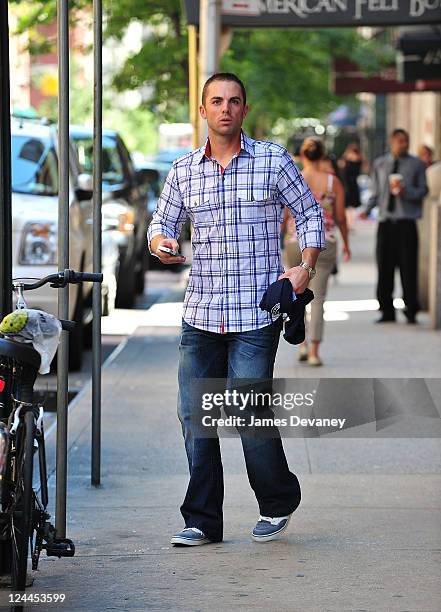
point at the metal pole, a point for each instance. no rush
(193, 94)
(5, 205)
(97, 201)
(209, 40)
(63, 261)
(5, 167)
(435, 265)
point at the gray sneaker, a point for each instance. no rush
(189, 536)
(267, 528)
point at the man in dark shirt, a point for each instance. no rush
(399, 186)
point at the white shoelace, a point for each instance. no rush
(275, 520)
(195, 529)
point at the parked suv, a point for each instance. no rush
(125, 197)
(155, 171)
(35, 226)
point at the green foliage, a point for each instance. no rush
(137, 127)
(32, 14)
(286, 71)
(162, 62)
(285, 74)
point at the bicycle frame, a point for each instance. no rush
(20, 437)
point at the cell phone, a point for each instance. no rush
(169, 251)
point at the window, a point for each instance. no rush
(34, 166)
(112, 168)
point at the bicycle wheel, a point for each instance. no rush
(21, 523)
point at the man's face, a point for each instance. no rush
(399, 144)
(224, 109)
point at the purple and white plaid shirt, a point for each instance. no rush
(236, 214)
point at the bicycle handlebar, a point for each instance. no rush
(93, 277)
(61, 279)
(67, 325)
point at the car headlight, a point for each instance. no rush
(39, 244)
(126, 222)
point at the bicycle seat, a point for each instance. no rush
(23, 352)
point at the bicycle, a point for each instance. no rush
(24, 521)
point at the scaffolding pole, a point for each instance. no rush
(97, 243)
(5, 168)
(193, 101)
(209, 43)
(63, 262)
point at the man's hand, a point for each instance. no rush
(298, 277)
(363, 215)
(166, 258)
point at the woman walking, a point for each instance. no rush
(329, 193)
(351, 165)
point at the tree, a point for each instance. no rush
(34, 13)
(286, 71)
(162, 62)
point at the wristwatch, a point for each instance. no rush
(311, 271)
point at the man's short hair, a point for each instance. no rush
(224, 76)
(398, 132)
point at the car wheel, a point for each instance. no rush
(76, 335)
(155, 263)
(143, 266)
(107, 306)
(125, 292)
(88, 336)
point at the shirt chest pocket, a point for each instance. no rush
(202, 209)
(258, 207)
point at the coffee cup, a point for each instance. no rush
(395, 183)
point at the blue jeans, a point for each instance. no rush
(232, 355)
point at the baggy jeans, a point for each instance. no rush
(233, 355)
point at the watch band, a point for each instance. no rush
(311, 271)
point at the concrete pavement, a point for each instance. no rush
(367, 535)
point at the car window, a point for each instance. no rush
(112, 168)
(34, 166)
(126, 157)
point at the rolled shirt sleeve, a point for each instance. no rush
(419, 190)
(294, 193)
(170, 213)
(373, 198)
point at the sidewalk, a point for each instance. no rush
(366, 536)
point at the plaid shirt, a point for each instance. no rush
(236, 214)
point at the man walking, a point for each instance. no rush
(399, 186)
(233, 189)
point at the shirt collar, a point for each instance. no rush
(246, 144)
(392, 157)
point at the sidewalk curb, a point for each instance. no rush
(77, 427)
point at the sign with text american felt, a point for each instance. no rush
(326, 13)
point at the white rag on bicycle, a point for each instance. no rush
(35, 327)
